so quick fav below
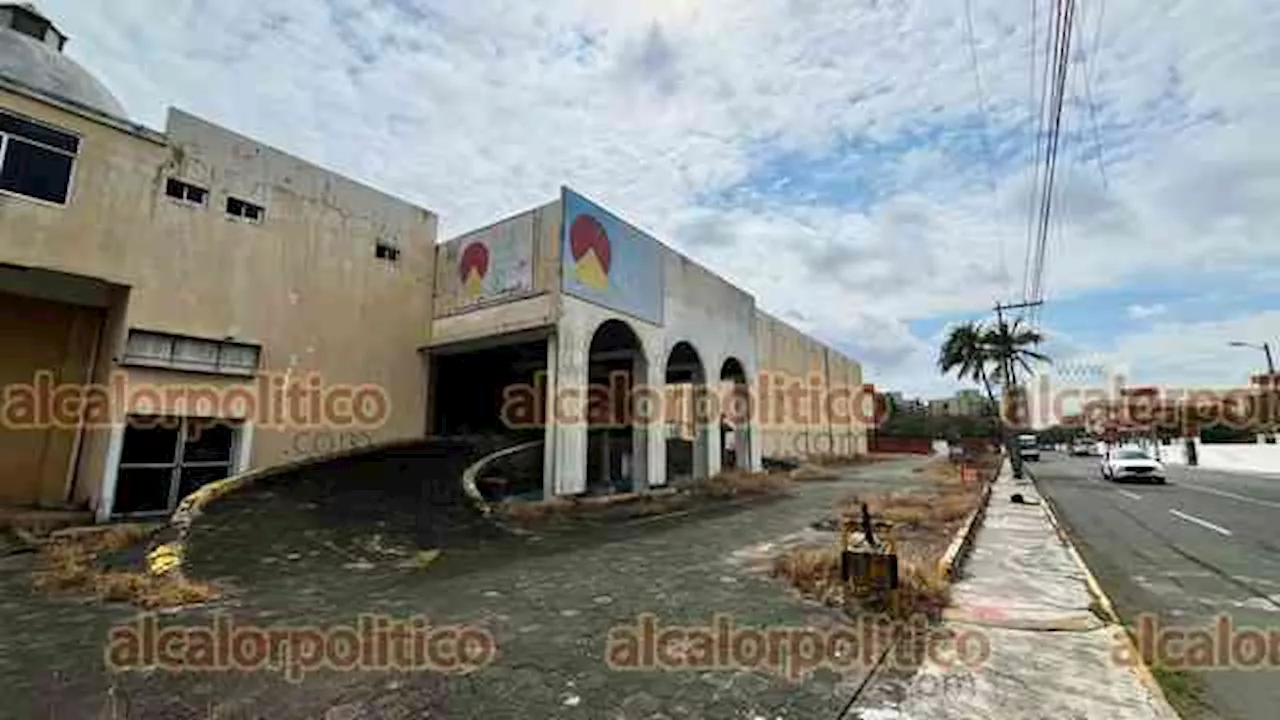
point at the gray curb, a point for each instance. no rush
(952, 561)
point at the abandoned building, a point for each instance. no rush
(171, 301)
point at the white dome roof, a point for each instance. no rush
(40, 66)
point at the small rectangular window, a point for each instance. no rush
(386, 251)
(184, 191)
(244, 209)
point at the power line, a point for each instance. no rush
(1027, 270)
(1051, 165)
(980, 91)
(1062, 54)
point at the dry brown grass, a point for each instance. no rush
(812, 471)
(152, 591)
(725, 486)
(921, 524)
(832, 460)
(68, 564)
(916, 509)
(738, 483)
(815, 572)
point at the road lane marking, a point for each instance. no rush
(1233, 496)
(1201, 522)
(1130, 495)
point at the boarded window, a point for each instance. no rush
(177, 352)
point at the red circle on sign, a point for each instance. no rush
(588, 234)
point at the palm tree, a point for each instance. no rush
(965, 351)
(1009, 345)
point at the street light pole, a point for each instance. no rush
(1268, 387)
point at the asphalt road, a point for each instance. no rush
(1203, 546)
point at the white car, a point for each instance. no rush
(1132, 464)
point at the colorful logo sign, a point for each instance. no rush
(606, 261)
(472, 267)
(589, 245)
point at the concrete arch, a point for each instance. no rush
(687, 409)
(736, 416)
(617, 444)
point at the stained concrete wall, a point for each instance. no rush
(304, 283)
(807, 392)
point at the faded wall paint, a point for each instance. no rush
(486, 266)
(608, 262)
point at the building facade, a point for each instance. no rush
(181, 305)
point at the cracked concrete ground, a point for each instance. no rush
(548, 600)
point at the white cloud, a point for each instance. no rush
(1142, 312)
(479, 108)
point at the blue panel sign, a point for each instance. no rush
(606, 261)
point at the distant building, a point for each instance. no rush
(965, 403)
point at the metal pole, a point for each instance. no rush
(1269, 388)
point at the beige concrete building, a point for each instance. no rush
(179, 305)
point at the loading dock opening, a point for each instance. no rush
(489, 387)
(494, 387)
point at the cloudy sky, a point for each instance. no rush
(832, 156)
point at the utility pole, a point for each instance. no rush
(1010, 383)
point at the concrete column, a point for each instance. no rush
(570, 417)
(754, 440)
(649, 438)
(707, 441)
(706, 434)
(549, 418)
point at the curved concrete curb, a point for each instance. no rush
(472, 472)
(167, 552)
(1108, 609)
(952, 560)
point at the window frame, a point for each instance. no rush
(226, 210)
(6, 135)
(187, 186)
(387, 251)
(179, 463)
(171, 360)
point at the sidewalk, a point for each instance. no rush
(1050, 654)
